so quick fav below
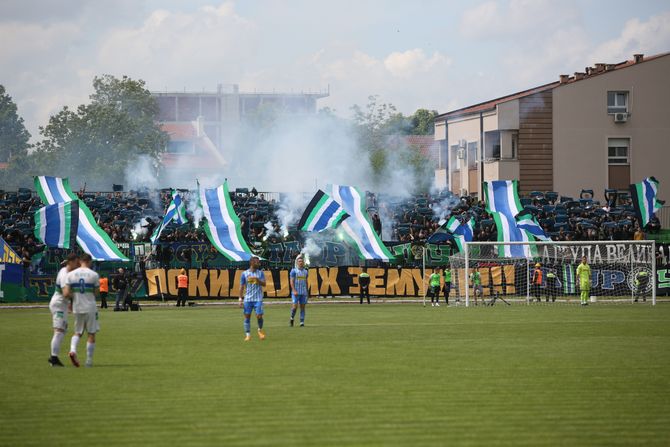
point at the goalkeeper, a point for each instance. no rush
(434, 290)
(641, 285)
(476, 281)
(584, 275)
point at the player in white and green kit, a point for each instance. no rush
(83, 287)
(584, 275)
(59, 308)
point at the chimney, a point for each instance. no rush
(638, 58)
(588, 71)
(600, 67)
(563, 79)
(579, 75)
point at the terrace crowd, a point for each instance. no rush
(132, 216)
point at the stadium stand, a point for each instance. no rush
(132, 216)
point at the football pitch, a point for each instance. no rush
(355, 375)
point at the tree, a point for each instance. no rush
(13, 135)
(96, 142)
(423, 122)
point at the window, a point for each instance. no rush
(617, 151)
(617, 102)
(472, 155)
(180, 147)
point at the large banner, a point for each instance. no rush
(7, 254)
(503, 280)
(12, 289)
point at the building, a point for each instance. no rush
(196, 121)
(598, 129)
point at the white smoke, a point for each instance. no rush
(311, 248)
(139, 230)
(290, 210)
(442, 209)
(141, 173)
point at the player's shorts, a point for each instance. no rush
(299, 299)
(435, 290)
(59, 319)
(256, 306)
(87, 321)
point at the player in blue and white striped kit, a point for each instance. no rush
(251, 296)
(299, 292)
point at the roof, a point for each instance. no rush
(490, 105)
(591, 72)
(180, 131)
(426, 144)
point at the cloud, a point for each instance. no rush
(648, 37)
(517, 18)
(410, 62)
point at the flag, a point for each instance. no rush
(56, 225)
(358, 228)
(644, 199)
(322, 213)
(502, 202)
(462, 232)
(176, 211)
(90, 237)
(222, 225)
(526, 221)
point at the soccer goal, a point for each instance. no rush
(548, 272)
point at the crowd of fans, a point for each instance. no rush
(133, 216)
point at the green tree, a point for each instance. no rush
(13, 135)
(423, 122)
(96, 142)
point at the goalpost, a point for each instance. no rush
(621, 271)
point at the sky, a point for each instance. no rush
(438, 55)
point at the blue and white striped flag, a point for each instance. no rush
(90, 237)
(462, 232)
(176, 211)
(644, 195)
(222, 225)
(56, 225)
(358, 228)
(322, 213)
(526, 221)
(502, 202)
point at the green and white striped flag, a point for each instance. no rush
(322, 213)
(56, 225)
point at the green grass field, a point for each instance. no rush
(356, 375)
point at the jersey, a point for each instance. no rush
(584, 275)
(447, 275)
(434, 280)
(83, 282)
(58, 302)
(476, 278)
(252, 279)
(299, 277)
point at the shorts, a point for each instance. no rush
(434, 290)
(87, 321)
(253, 306)
(59, 319)
(299, 299)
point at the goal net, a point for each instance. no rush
(547, 272)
